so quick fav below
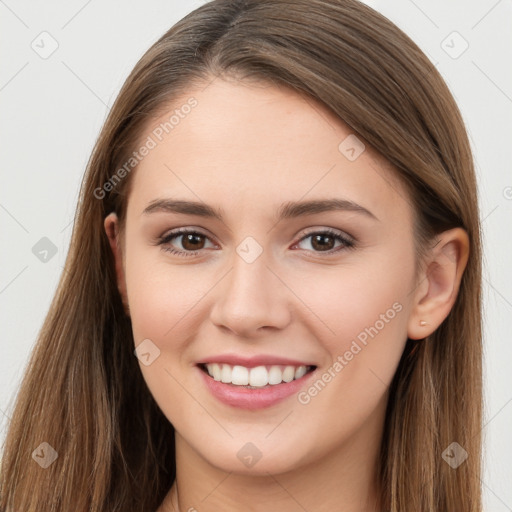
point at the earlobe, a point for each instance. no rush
(440, 282)
(111, 225)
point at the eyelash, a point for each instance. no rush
(347, 243)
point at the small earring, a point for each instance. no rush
(423, 323)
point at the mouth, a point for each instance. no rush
(257, 377)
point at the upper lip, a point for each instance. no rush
(251, 362)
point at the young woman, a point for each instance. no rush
(272, 295)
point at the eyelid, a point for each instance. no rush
(171, 233)
(333, 231)
(177, 232)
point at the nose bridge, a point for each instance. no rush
(251, 296)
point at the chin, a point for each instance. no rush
(247, 458)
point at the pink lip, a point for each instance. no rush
(251, 399)
(251, 362)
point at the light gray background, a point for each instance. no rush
(52, 110)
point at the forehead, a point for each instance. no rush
(253, 146)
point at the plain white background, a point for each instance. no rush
(52, 110)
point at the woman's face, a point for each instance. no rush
(262, 290)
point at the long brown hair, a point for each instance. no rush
(83, 392)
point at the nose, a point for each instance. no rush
(251, 299)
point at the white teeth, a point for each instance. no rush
(225, 374)
(289, 373)
(275, 375)
(216, 371)
(300, 372)
(240, 376)
(257, 377)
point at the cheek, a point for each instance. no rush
(163, 301)
(160, 298)
(362, 325)
(160, 294)
(357, 299)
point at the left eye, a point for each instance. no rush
(192, 242)
(318, 240)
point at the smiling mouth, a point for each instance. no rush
(257, 377)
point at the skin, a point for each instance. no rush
(246, 149)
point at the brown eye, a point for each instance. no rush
(325, 241)
(191, 242)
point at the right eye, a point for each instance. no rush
(191, 241)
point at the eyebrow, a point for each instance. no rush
(290, 209)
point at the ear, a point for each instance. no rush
(111, 225)
(439, 283)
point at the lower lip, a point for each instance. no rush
(247, 398)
